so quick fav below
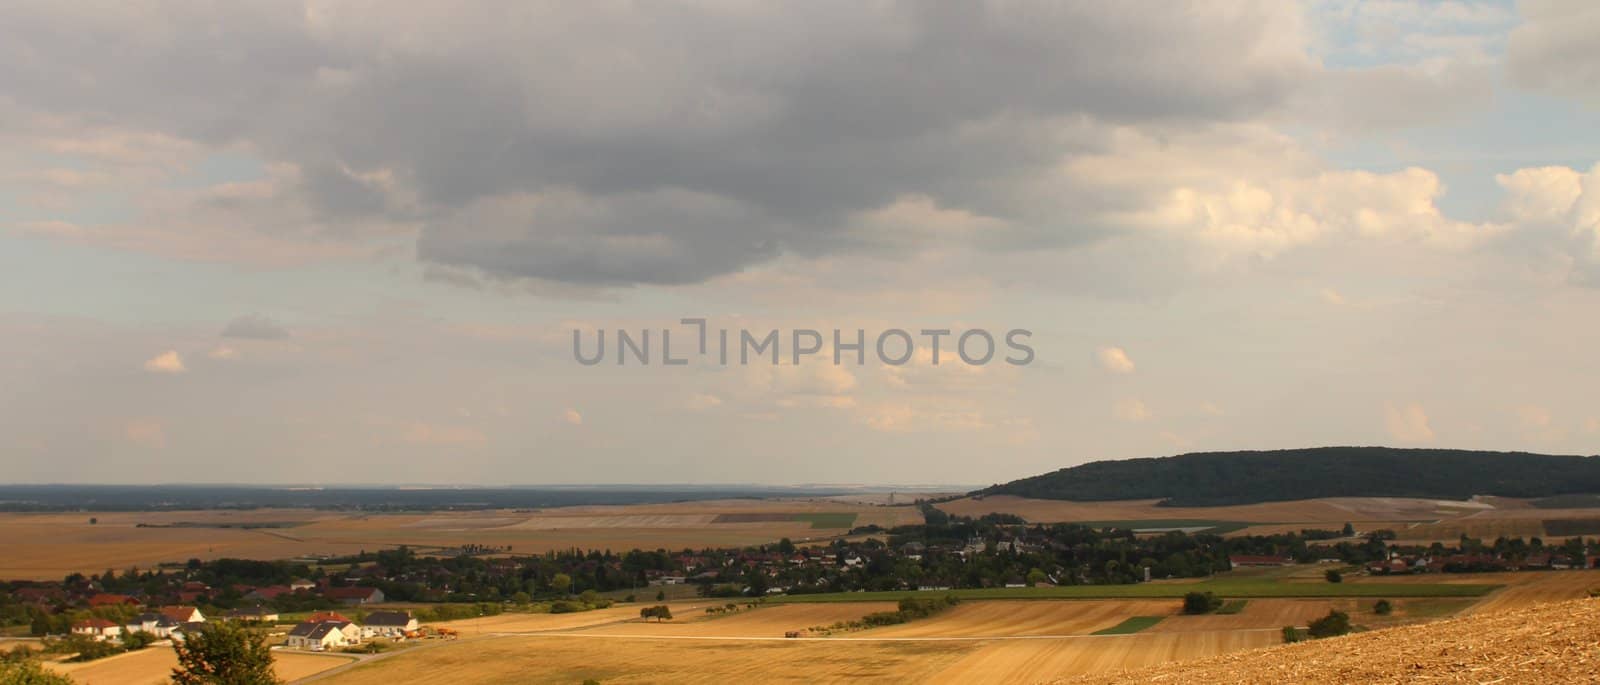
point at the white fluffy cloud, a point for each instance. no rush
(1131, 409)
(1115, 360)
(166, 362)
(1407, 422)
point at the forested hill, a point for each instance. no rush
(1218, 478)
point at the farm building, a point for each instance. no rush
(388, 624)
(97, 628)
(324, 635)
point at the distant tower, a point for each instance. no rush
(891, 499)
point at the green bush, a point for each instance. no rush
(1334, 576)
(1292, 634)
(1201, 603)
(1383, 608)
(1335, 623)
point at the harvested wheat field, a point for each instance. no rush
(154, 665)
(50, 546)
(766, 621)
(1547, 643)
(1522, 588)
(1032, 661)
(514, 622)
(1028, 618)
(569, 659)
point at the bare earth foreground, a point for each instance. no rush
(1546, 643)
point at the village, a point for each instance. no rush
(347, 603)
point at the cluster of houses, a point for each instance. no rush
(171, 622)
(1401, 564)
(320, 632)
(330, 630)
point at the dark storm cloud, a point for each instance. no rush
(591, 143)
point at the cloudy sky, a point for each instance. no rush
(349, 242)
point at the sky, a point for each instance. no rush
(352, 242)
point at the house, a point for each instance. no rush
(97, 628)
(37, 595)
(183, 614)
(110, 599)
(324, 635)
(268, 593)
(388, 624)
(322, 616)
(184, 630)
(154, 623)
(299, 584)
(355, 595)
(256, 614)
(1258, 560)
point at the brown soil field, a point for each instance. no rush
(50, 546)
(1545, 643)
(154, 665)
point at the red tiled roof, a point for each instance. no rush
(107, 598)
(324, 616)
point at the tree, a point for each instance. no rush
(1334, 576)
(661, 595)
(1292, 634)
(786, 547)
(93, 520)
(224, 653)
(1036, 576)
(26, 671)
(1383, 608)
(521, 599)
(1349, 530)
(1335, 623)
(560, 583)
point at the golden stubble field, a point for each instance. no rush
(976, 642)
(50, 546)
(154, 665)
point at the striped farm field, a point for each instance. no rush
(1014, 619)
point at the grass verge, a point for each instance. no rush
(1130, 626)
